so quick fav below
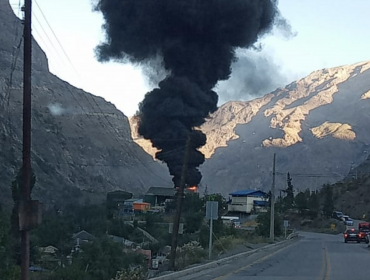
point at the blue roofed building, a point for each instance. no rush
(248, 201)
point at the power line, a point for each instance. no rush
(313, 175)
(14, 59)
(48, 38)
(97, 105)
(56, 38)
(123, 145)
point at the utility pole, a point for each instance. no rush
(26, 149)
(272, 199)
(210, 236)
(180, 195)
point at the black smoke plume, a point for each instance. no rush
(197, 41)
(253, 75)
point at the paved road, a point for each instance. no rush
(314, 256)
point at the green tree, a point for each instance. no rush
(55, 230)
(314, 205)
(192, 203)
(263, 227)
(16, 189)
(301, 202)
(8, 269)
(288, 200)
(222, 203)
(104, 258)
(151, 219)
(3, 241)
(136, 274)
(100, 260)
(193, 221)
(119, 228)
(328, 205)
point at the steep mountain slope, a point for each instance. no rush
(352, 195)
(317, 126)
(81, 145)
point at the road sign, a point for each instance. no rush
(211, 214)
(212, 210)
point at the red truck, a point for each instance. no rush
(363, 225)
(364, 231)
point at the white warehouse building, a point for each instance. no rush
(248, 201)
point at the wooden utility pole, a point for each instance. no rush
(272, 200)
(26, 149)
(180, 196)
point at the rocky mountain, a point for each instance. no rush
(81, 144)
(318, 127)
(352, 195)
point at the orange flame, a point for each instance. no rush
(193, 188)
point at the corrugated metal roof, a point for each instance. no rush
(133, 200)
(248, 192)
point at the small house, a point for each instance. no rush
(157, 196)
(82, 237)
(127, 207)
(121, 240)
(48, 256)
(50, 250)
(141, 206)
(115, 198)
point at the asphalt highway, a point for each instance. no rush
(313, 256)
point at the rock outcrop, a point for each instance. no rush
(317, 126)
(81, 144)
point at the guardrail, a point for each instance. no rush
(292, 235)
(197, 268)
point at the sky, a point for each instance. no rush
(322, 34)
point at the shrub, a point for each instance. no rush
(223, 243)
(263, 227)
(135, 274)
(189, 254)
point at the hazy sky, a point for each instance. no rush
(325, 33)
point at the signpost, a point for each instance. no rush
(286, 225)
(211, 214)
(332, 226)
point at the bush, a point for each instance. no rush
(223, 244)
(263, 227)
(135, 274)
(11, 273)
(189, 254)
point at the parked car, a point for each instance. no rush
(347, 220)
(337, 215)
(352, 235)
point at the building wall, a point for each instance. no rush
(142, 206)
(243, 203)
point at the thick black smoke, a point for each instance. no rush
(197, 41)
(253, 75)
